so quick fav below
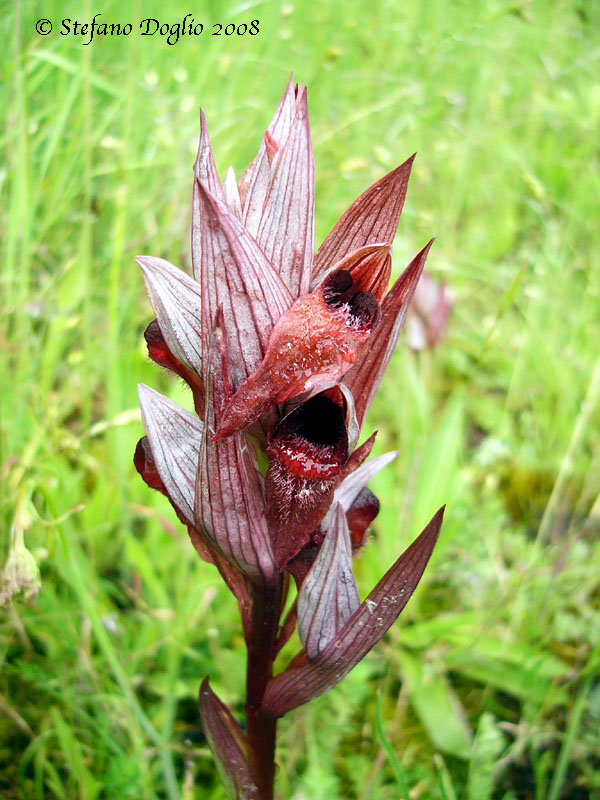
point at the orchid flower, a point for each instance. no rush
(283, 351)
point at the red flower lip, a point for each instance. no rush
(312, 441)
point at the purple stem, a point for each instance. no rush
(261, 731)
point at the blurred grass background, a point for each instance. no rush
(488, 687)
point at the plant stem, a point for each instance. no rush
(266, 607)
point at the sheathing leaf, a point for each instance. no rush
(228, 746)
(328, 596)
(303, 681)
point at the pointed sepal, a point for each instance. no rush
(228, 746)
(302, 681)
(174, 436)
(254, 184)
(205, 171)
(236, 276)
(328, 596)
(373, 217)
(366, 373)
(175, 298)
(286, 230)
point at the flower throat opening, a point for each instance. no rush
(339, 289)
(312, 441)
(319, 421)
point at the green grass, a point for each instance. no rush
(488, 688)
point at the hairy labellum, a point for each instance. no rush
(307, 451)
(311, 442)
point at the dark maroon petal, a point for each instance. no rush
(159, 352)
(366, 373)
(236, 276)
(205, 172)
(228, 746)
(229, 503)
(328, 596)
(146, 466)
(258, 175)
(286, 230)
(301, 683)
(373, 217)
(175, 298)
(158, 349)
(361, 514)
(174, 436)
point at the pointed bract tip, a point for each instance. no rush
(408, 163)
(217, 205)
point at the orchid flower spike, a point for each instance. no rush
(283, 350)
